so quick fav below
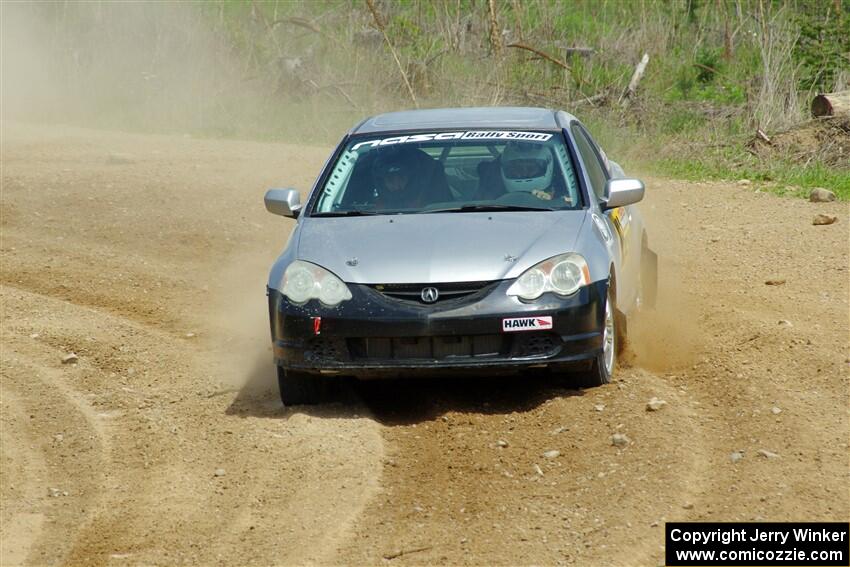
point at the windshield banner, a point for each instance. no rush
(470, 135)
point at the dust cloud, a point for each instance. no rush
(665, 338)
(159, 67)
(165, 67)
(237, 322)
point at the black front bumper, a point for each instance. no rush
(374, 335)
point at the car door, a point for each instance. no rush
(619, 220)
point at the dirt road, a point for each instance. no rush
(165, 443)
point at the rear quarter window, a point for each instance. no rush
(596, 170)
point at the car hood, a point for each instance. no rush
(437, 247)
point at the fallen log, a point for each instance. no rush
(831, 104)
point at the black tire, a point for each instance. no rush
(596, 376)
(599, 374)
(298, 388)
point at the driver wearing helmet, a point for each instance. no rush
(527, 167)
(393, 175)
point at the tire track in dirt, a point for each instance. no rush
(20, 520)
(95, 276)
(173, 406)
(161, 498)
(63, 488)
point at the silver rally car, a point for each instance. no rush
(461, 240)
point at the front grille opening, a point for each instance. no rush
(430, 348)
(447, 291)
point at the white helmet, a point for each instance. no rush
(526, 166)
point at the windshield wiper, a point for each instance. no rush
(488, 208)
(352, 213)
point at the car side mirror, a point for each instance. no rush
(622, 192)
(283, 202)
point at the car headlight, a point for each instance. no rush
(303, 281)
(563, 275)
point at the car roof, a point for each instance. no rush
(521, 117)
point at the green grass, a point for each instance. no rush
(778, 177)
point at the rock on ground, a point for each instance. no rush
(821, 195)
(823, 219)
(619, 440)
(70, 358)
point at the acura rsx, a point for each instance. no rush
(462, 241)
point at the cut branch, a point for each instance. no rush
(542, 54)
(636, 77)
(379, 22)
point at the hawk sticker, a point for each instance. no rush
(526, 324)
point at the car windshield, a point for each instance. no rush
(458, 171)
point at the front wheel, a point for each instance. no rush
(603, 365)
(298, 388)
